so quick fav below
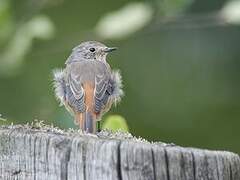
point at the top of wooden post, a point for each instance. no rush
(35, 152)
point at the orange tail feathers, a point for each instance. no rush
(79, 120)
(86, 121)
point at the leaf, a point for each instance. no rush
(231, 12)
(125, 21)
(115, 123)
(12, 58)
(41, 27)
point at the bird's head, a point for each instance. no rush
(90, 50)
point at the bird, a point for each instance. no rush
(87, 86)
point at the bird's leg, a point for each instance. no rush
(98, 126)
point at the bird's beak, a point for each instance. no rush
(109, 49)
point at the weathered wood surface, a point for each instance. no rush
(31, 153)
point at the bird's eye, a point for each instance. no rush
(92, 49)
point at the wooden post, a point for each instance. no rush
(28, 153)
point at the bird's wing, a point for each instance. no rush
(76, 86)
(103, 89)
(75, 92)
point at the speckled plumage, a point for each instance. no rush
(87, 86)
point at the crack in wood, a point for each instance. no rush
(119, 167)
(84, 160)
(16, 172)
(34, 157)
(217, 165)
(194, 165)
(167, 163)
(154, 165)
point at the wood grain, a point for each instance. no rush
(44, 153)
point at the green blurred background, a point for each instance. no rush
(180, 62)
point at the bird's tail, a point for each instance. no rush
(89, 122)
(86, 121)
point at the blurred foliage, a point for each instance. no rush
(5, 20)
(231, 12)
(2, 119)
(21, 42)
(173, 7)
(115, 123)
(18, 42)
(179, 60)
(125, 21)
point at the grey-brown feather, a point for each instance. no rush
(59, 85)
(108, 85)
(76, 103)
(116, 82)
(64, 93)
(87, 67)
(110, 93)
(80, 52)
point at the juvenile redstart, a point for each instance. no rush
(87, 87)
